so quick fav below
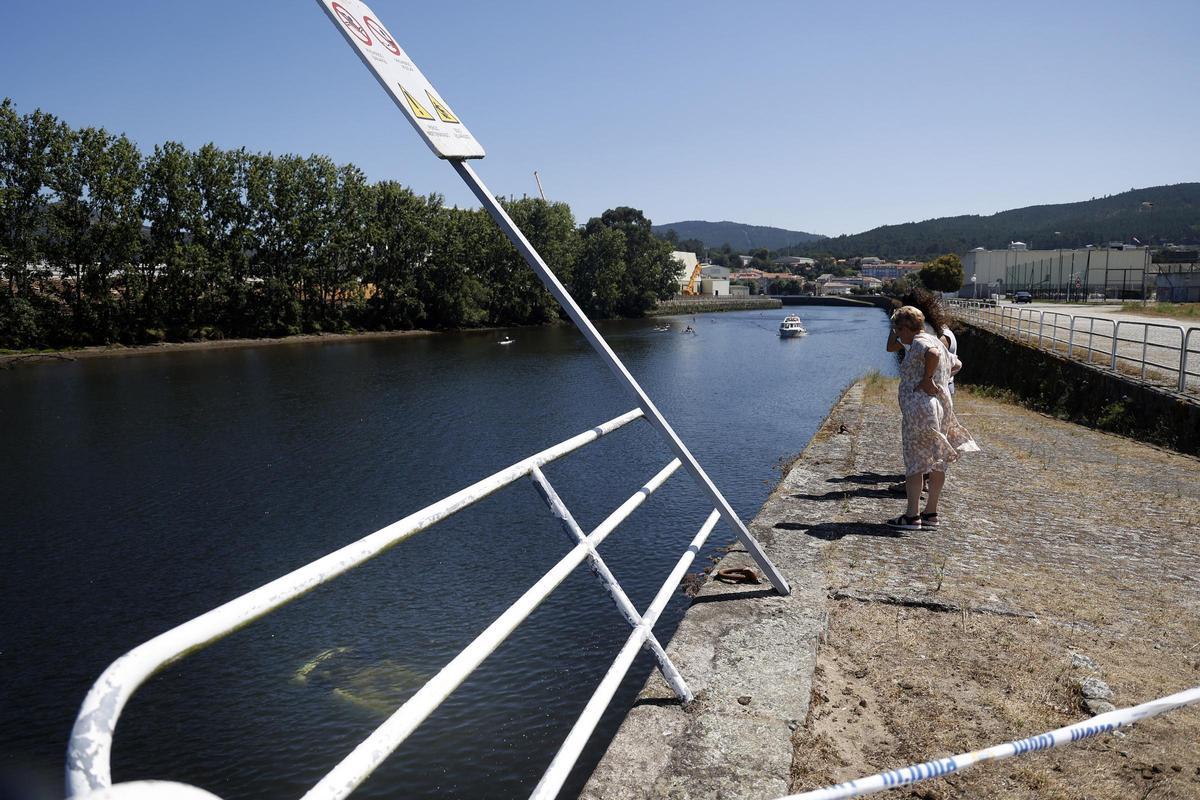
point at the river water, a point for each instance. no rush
(140, 492)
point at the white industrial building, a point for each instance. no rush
(1115, 272)
(714, 271)
(687, 266)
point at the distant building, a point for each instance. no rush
(890, 271)
(687, 265)
(763, 279)
(835, 288)
(748, 275)
(1064, 274)
(714, 271)
(862, 281)
(739, 291)
(794, 262)
(714, 287)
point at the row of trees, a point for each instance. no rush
(100, 244)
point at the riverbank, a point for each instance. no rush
(1065, 553)
(9, 360)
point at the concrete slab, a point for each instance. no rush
(747, 654)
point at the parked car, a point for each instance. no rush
(1022, 297)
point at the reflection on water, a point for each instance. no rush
(140, 492)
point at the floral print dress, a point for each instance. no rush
(930, 433)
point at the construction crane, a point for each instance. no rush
(690, 290)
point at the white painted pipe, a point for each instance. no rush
(90, 749)
(560, 766)
(364, 759)
(609, 582)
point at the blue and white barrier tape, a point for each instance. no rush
(1102, 723)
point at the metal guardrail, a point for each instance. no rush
(1095, 726)
(90, 748)
(1164, 353)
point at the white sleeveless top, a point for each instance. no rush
(949, 334)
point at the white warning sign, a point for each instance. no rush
(440, 127)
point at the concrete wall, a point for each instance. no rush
(1078, 392)
(879, 301)
(714, 287)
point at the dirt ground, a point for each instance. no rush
(1057, 542)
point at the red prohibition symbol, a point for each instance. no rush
(382, 35)
(352, 24)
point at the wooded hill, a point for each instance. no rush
(1154, 215)
(740, 237)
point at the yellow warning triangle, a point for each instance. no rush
(443, 113)
(419, 111)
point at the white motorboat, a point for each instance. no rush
(791, 326)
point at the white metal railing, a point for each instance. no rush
(1156, 352)
(89, 753)
(1095, 726)
(90, 748)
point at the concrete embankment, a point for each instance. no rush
(1062, 577)
(878, 301)
(703, 305)
(121, 351)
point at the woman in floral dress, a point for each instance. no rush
(931, 435)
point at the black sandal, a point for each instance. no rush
(905, 523)
(929, 520)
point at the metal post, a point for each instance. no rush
(653, 415)
(1183, 356)
(1071, 336)
(559, 509)
(1145, 343)
(1116, 340)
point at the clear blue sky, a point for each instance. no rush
(826, 117)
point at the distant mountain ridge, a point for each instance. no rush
(739, 236)
(1155, 214)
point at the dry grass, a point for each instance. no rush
(876, 386)
(1093, 533)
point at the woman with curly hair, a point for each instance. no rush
(937, 321)
(931, 436)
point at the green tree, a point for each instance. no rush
(451, 291)
(515, 294)
(403, 233)
(943, 274)
(222, 230)
(171, 282)
(600, 271)
(650, 270)
(31, 147)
